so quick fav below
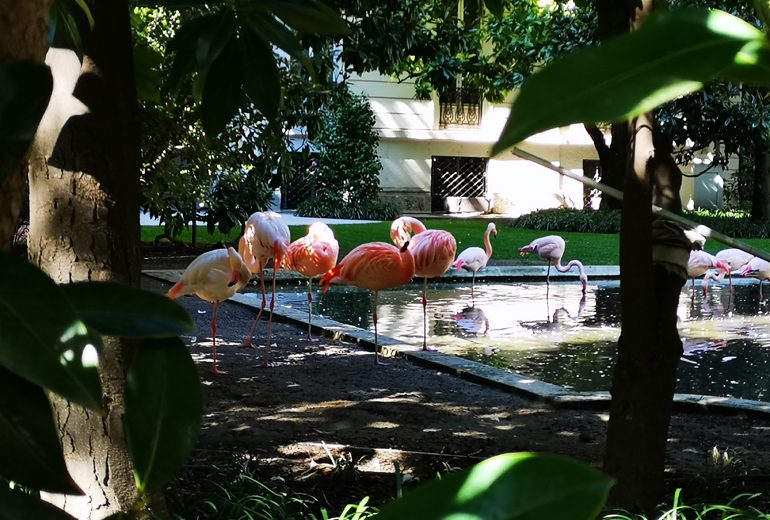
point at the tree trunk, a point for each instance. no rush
(23, 36)
(760, 202)
(84, 225)
(653, 259)
(614, 19)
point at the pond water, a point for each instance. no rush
(562, 338)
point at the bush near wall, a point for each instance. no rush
(736, 224)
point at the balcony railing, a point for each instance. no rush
(459, 107)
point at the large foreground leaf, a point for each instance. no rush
(672, 54)
(116, 309)
(16, 505)
(515, 486)
(30, 452)
(25, 88)
(41, 336)
(163, 410)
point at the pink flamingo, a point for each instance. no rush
(374, 266)
(433, 250)
(474, 258)
(700, 262)
(311, 256)
(551, 248)
(213, 276)
(735, 260)
(265, 236)
(757, 268)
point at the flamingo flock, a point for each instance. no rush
(416, 251)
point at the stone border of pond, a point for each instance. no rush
(473, 370)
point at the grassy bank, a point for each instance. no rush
(590, 248)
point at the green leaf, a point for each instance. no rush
(163, 410)
(147, 63)
(515, 486)
(184, 46)
(308, 16)
(30, 453)
(42, 339)
(214, 36)
(115, 309)
(25, 88)
(21, 505)
(222, 93)
(495, 7)
(84, 7)
(672, 54)
(263, 82)
(63, 29)
(269, 30)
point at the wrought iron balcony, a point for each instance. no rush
(459, 107)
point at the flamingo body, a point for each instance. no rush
(551, 248)
(699, 262)
(374, 266)
(213, 276)
(433, 251)
(474, 259)
(265, 236)
(311, 256)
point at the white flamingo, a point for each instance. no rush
(700, 262)
(474, 258)
(213, 276)
(265, 236)
(551, 248)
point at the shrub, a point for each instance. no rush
(363, 211)
(736, 224)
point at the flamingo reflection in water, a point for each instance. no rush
(556, 321)
(472, 320)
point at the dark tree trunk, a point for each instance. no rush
(614, 19)
(653, 259)
(84, 205)
(23, 36)
(760, 202)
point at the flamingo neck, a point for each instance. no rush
(488, 244)
(247, 257)
(569, 266)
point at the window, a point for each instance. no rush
(459, 106)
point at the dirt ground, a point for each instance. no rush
(326, 418)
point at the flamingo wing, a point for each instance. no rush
(433, 252)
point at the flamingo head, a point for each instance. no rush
(458, 264)
(723, 266)
(280, 254)
(492, 229)
(527, 249)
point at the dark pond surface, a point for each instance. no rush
(562, 338)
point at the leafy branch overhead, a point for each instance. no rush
(230, 52)
(674, 53)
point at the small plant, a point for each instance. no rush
(721, 459)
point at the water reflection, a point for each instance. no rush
(565, 337)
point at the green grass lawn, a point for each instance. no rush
(590, 248)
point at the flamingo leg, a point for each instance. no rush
(266, 362)
(730, 280)
(310, 310)
(376, 337)
(425, 315)
(548, 274)
(247, 343)
(214, 369)
(473, 284)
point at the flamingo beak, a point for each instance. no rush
(723, 266)
(234, 277)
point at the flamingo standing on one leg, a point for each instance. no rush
(735, 260)
(474, 258)
(265, 236)
(213, 276)
(311, 256)
(551, 248)
(374, 266)
(433, 250)
(757, 268)
(700, 262)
